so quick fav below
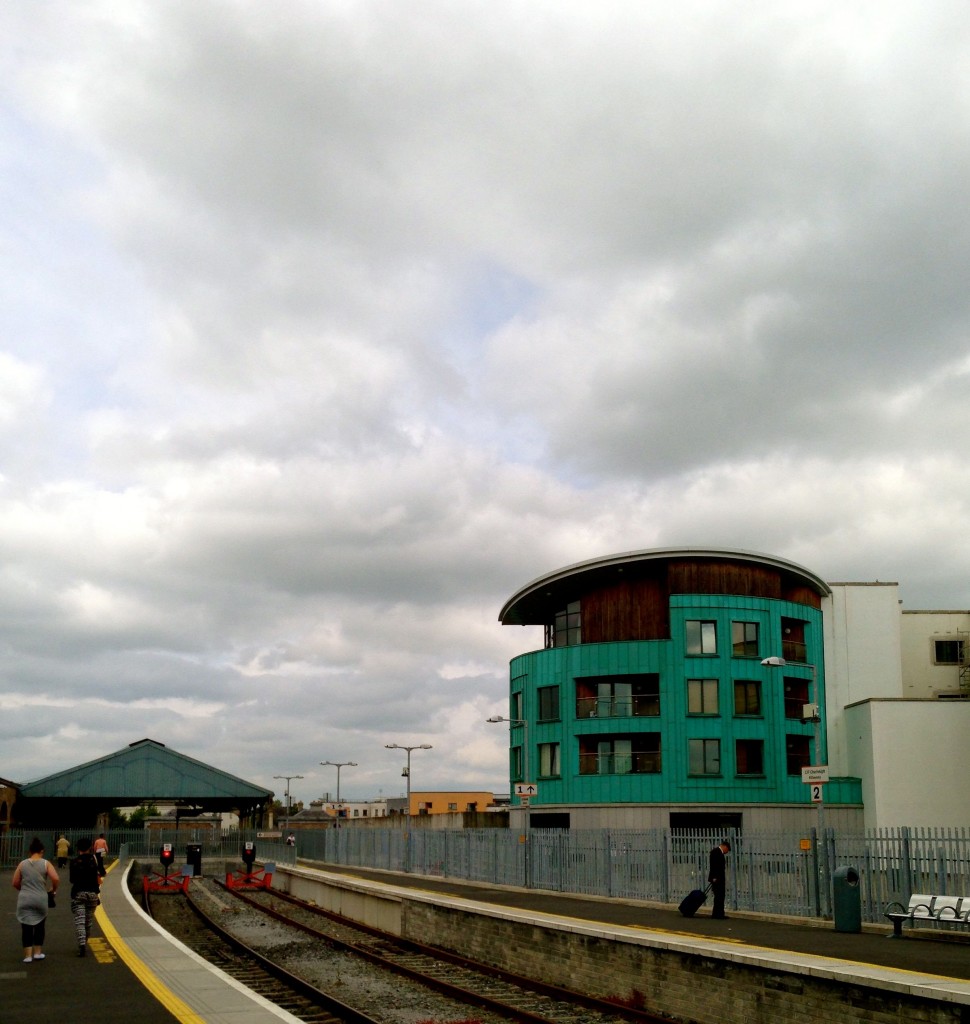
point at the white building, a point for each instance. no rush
(898, 713)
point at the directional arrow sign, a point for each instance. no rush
(526, 789)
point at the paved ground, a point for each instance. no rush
(63, 987)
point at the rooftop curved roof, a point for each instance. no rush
(530, 604)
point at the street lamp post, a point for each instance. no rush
(776, 662)
(407, 773)
(287, 777)
(525, 741)
(527, 856)
(338, 765)
(407, 770)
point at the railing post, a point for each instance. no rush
(906, 854)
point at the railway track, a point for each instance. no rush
(504, 995)
(201, 933)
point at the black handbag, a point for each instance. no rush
(50, 899)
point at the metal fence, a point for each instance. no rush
(771, 872)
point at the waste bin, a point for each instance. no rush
(193, 857)
(846, 900)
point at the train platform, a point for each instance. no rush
(927, 957)
(133, 970)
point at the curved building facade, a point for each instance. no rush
(650, 688)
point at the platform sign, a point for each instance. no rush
(526, 789)
(817, 790)
(815, 773)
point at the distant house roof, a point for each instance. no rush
(145, 771)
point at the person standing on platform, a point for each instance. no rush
(101, 851)
(63, 850)
(85, 892)
(716, 876)
(31, 880)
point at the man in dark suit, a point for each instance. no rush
(716, 876)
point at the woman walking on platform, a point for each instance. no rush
(85, 889)
(30, 880)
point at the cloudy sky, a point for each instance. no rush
(325, 326)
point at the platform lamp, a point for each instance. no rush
(287, 777)
(338, 765)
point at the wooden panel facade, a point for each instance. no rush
(631, 610)
(710, 576)
(638, 608)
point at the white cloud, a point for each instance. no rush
(325, 329)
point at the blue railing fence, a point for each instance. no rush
(770, 872)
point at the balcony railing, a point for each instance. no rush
(637, 762)
(635, 706)
(794, 651)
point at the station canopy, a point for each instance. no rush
(143, 772)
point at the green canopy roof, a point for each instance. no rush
(146, 771)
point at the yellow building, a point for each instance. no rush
(449, 801)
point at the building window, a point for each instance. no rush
(638, 754)
(701, 637)
(793, 646)
(797, 754)
(744, 639)
(947, 652)
(516, 753)
(702, 696)
(618, 696)
(549, 761)
(515, 706)
(566, 629)
(750, 757)
(796, 697)
(704, 757)
(747, 697)
(548, 703)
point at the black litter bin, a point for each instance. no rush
(193, 857)
(847, 900)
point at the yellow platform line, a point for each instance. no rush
(176, 1006)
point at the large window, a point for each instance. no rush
(744, 639)
(749, 756)
(797, 754)
(701, 636)
(637, 754)
(704, 757)
(566, 629)
(747, 697)
(516, 753)
(702, 697)
(548, 703)
(634, 695)
(549, 761)
(796, 697)
(947, 652)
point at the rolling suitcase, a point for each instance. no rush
(693, 901)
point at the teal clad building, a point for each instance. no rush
(651, 702)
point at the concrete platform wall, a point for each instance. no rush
(660, 972)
